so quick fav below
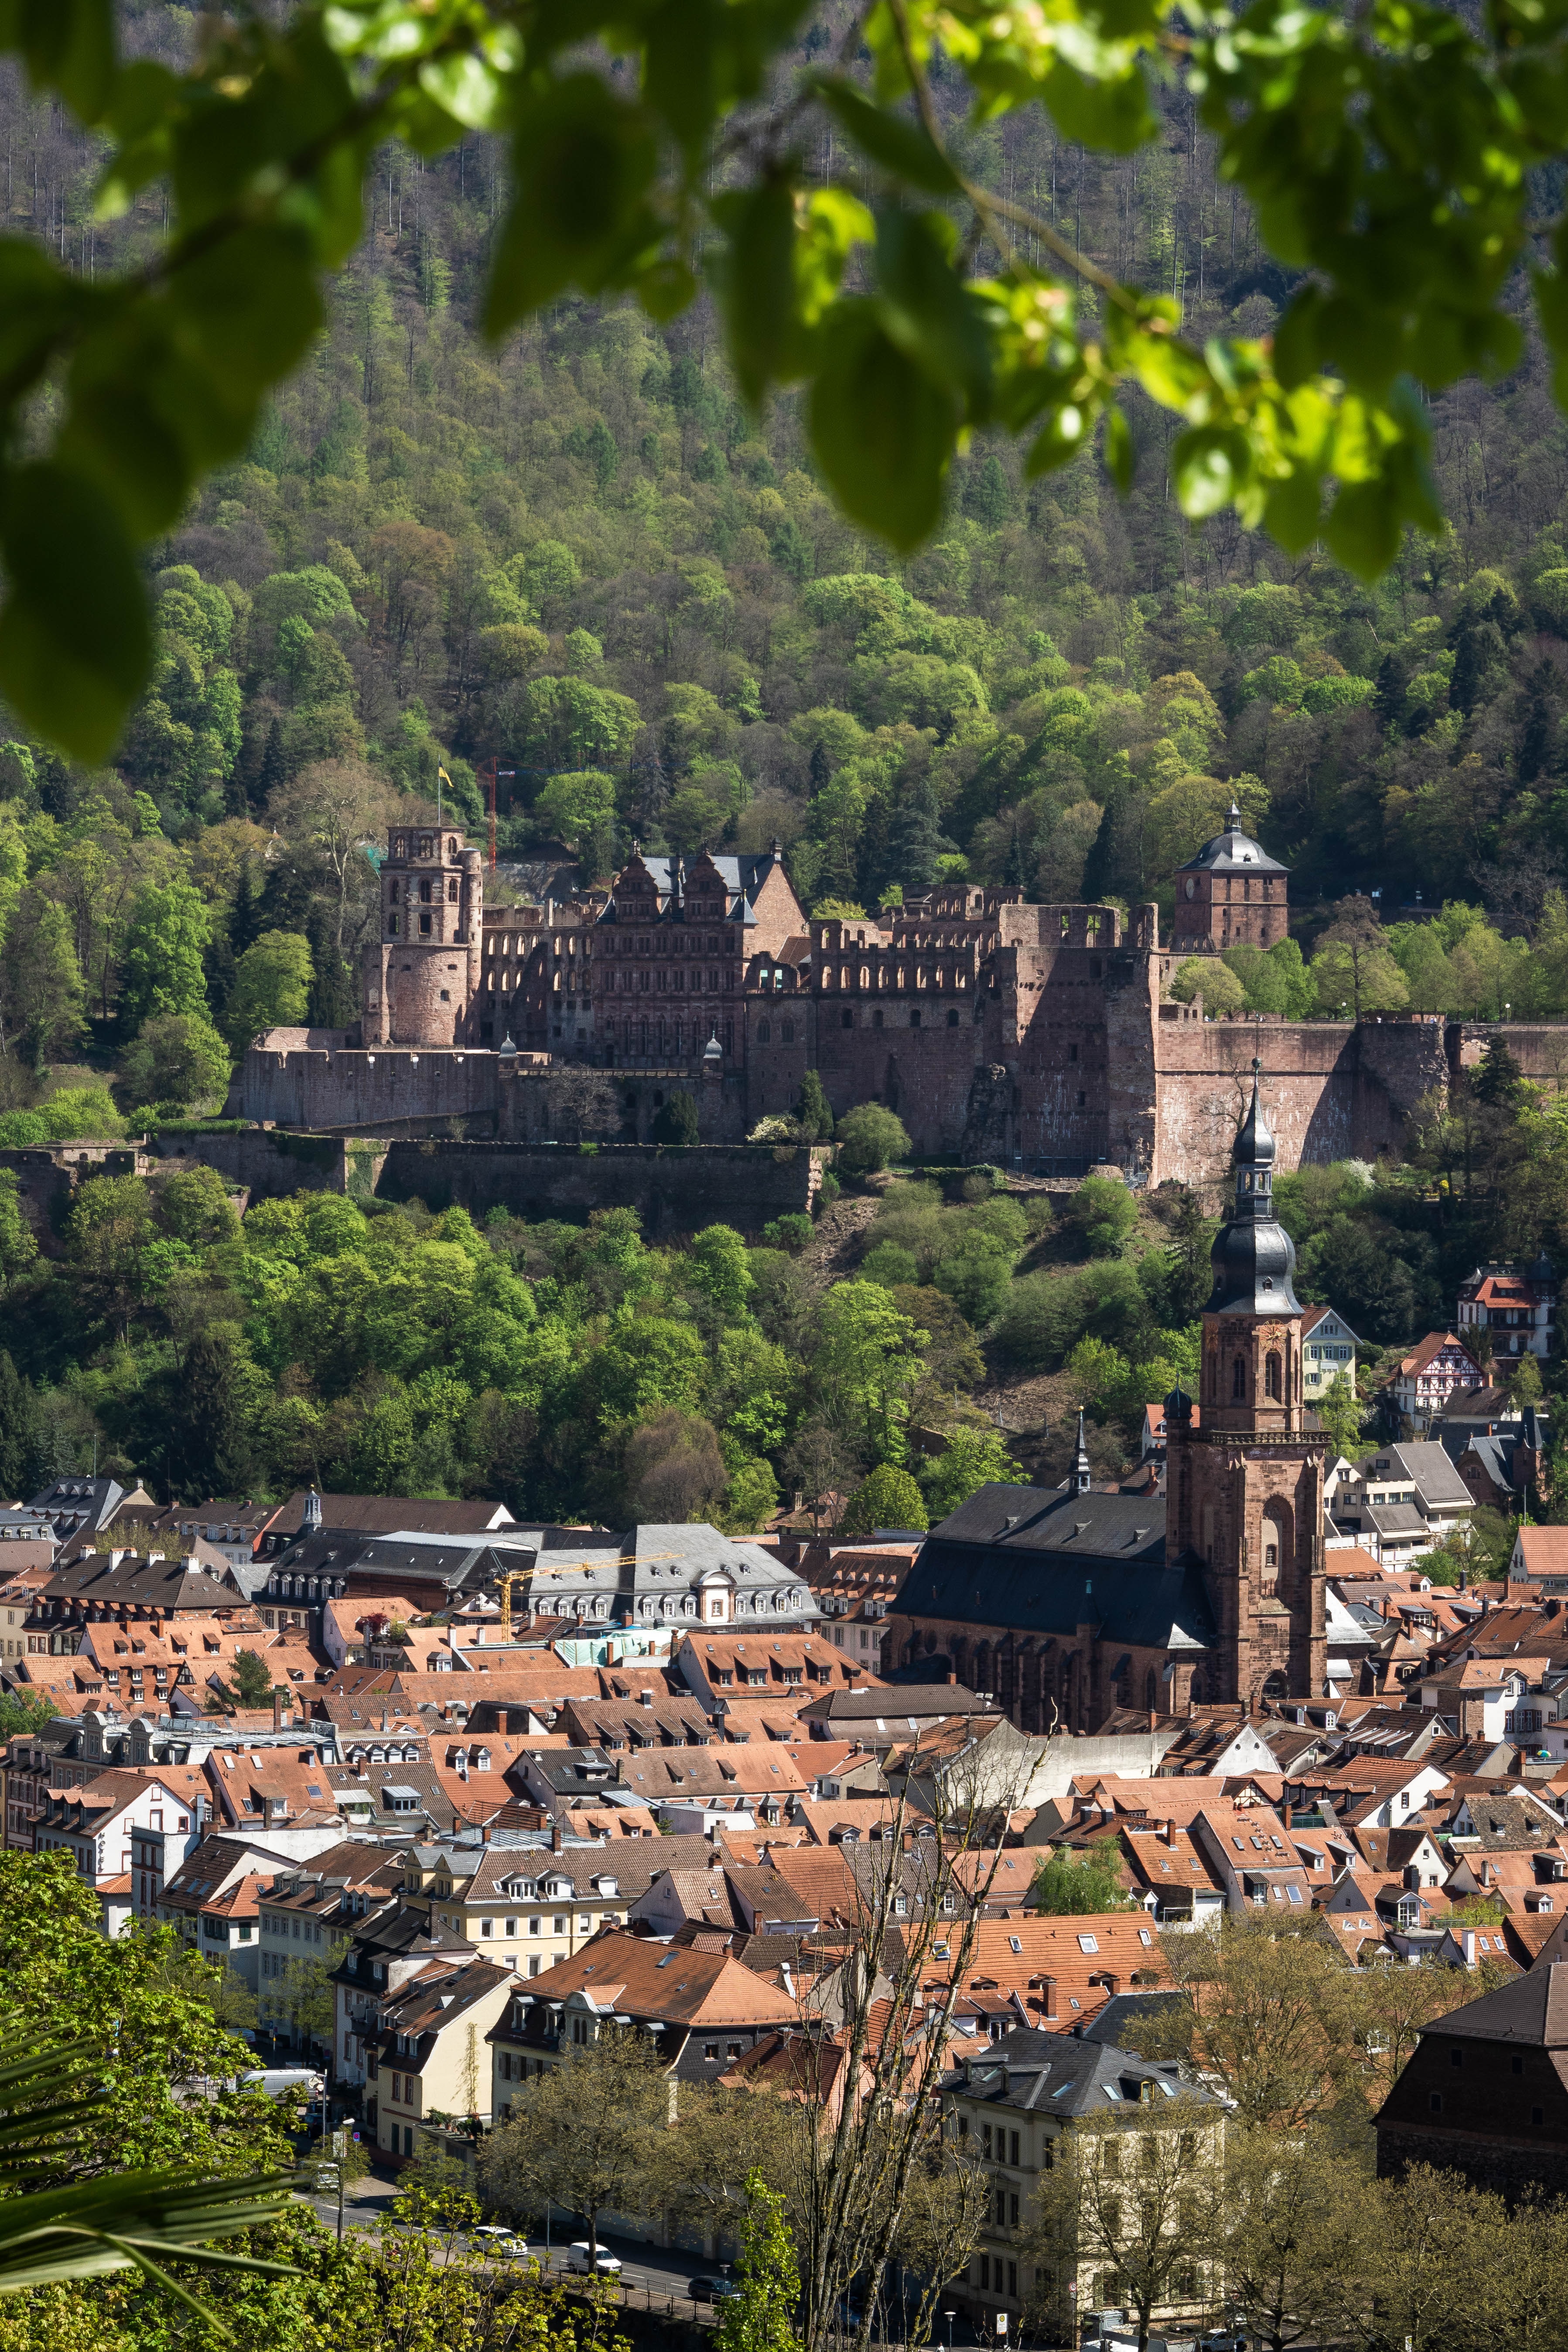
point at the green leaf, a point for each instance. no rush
(67, 45)
(1364, 527)
(926, 307)
(758, 285)
(249, 305)
(883, 432)
(469, 90)
(1120, 454)
(1295, 339)
(902, 148)
(1111, 112)
(36, 300)
(680, 41)
(76, 646)
(583, 160)
(1208, 466)
(1292, 511)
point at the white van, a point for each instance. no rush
(580, 2257)
(275, 2080)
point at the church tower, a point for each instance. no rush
(1245, 1486)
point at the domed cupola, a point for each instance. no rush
(1253, 1256)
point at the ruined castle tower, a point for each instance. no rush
(1231, 895)
(421, 981)
(1246, 1488)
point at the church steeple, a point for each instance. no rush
(1082, 1476)
(1253, 1256)
(1245, 1485)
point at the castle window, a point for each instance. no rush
(451, 848)
(425, 893)
(400, 848)
(1238, 1377)
(952, 1019)
(765, 1032)
(424, 927)
(786, 1031)
(452, 890)
(915, 1018)
(393, 894)
(846, 1021)
(425, 845)
(1271, 1374)
(392, 926)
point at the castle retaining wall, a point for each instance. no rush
(672, 1190)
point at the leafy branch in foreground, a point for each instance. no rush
(48, 2097)
(1390, 156)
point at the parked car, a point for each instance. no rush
(711, 2289)
(278, 2080)
(1224, 2340)
(495, 2239)
(580, 2257)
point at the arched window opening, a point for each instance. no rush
(1272, 1375)
(1238, 1377)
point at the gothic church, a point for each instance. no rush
(1070, 1605)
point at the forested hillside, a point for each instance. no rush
(581, 556)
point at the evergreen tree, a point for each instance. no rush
(1535, 741)
(1013, 872)
(676, 1121)
(820, 769)
(1191, 1277)
(21, 1436)
(1498, 1081)
(273, 763)
(245, 915)
(915, 838)
(210, 1409)
(245, 784)
(815, 1114)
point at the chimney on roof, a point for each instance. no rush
(557, 1836)
(1047, 1998)
(1168, 1832)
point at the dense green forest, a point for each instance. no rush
(581, 556)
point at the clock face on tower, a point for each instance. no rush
(1192, 888)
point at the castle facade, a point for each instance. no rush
(1021, 1035)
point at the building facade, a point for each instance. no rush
(1516, 1304)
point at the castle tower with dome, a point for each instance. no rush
(1231, 895)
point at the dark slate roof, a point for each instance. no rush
(1531, 2008)
(1233, 852)
(74, 1502)
(1043, 1562)
(1119, 2021)
(165, 1584)
(1059, 2075)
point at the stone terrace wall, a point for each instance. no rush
(672, 1190)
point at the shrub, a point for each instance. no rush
(788, 1233)
(871, 1139)
(1103, 1211)
(889, 1265)
(889, 1498)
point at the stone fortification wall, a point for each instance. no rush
(265, 1163)
(671, 1189)
(318, 1079)
(1333, 1090)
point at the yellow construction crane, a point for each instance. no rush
(513, 1576)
